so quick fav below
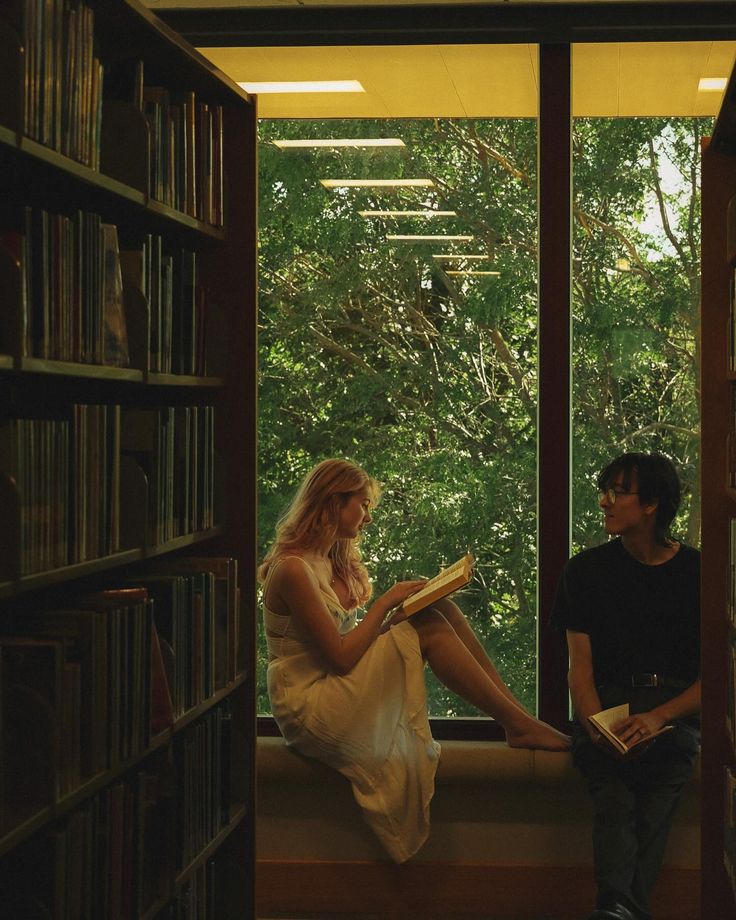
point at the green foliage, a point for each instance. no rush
(370, 350)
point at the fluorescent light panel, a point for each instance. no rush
(341, 142)
(304, 86)
(470, 272)
(712, 84)
(425, 238)
(467, 258)
(377, 183)
(428, 213)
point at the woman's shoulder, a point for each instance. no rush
(291, 567)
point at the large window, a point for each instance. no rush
(413, 357)
(373, 348)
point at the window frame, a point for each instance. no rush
(568, 23)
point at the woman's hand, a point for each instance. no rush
(400, 591)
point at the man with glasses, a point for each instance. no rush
(631, 611)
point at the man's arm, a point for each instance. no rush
(581, 680)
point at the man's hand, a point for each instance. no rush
(639, 727)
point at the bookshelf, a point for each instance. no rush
(718, 441)
(127, 470)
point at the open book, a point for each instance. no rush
(605, 720)
(450, 579)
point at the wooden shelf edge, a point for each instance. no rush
(182, 542)
(84, 173)
(90, 786)
(76, 570)
(8, 137)
(92, 566)
(17, 835)
(93, 785)
(157, 905)
(196, 711)
(183, 380)
(186, 220)
(74, 369)
(214, 844)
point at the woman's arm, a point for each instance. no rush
(296, 586)
(581, 680)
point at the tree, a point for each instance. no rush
(374, 352)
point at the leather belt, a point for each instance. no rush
(656, 680)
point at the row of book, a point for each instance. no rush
(64, 83)
(196, 614)
(185, 141)
(186, 166)
(167, 284)
(87, 687)
(202, 757)
(116, 855)
(67, 476)
(108, 858)
(174, 449)
(62, 76)
(80, 294)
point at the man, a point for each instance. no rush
(631, 611)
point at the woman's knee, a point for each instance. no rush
(430, 624)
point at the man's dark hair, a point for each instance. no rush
(657, 480)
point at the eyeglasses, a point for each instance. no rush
(612, 494)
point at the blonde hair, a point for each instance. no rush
(312, 518)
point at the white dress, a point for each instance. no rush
(371, 724)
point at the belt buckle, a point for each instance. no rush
(645, 680)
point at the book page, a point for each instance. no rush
(444, 583)
(610, 717)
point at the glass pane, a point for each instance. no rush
(636, 264)
(414, 358)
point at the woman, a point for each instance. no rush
(352, 694)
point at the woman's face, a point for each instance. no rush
(354, 515)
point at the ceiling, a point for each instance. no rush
(250, 4)
(468, 80)
(481, 80)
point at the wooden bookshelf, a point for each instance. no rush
(55, 339)
(718, 391)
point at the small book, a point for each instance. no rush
(448, 580)
(605, 720)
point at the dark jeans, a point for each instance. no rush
(634, 802)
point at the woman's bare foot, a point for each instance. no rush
(537, 736)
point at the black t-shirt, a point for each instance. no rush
(640, 618)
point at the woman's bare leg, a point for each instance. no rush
(459, 671)
(457, 619)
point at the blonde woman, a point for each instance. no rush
(351, 693)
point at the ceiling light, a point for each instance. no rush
(469, 272)
(712, 84)
(428, 213)
(305, 86)
(448, 255)
(379, 183)
(341, 142)
(424, 238)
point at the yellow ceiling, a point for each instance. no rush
(459, 81)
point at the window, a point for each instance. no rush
(371, 348)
